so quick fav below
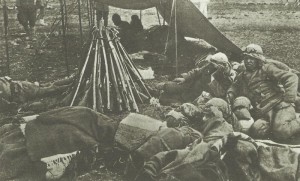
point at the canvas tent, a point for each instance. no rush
(190, 21)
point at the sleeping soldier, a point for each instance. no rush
(18, 92)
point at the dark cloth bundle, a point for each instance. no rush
(14, 160)
(60, 131)
(66, 130)
(262, 162)
(198, 162)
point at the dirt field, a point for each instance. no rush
(273, 26)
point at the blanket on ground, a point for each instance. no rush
(254, 161)
(67, 129)
(60, 131)
(14, 161)
(245, 159)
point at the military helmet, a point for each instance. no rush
(220, 104)
(242, 102)
(260, 129)
(219, 58)
(241, 107)
(254, 51)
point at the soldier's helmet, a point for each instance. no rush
(255, 51)
(260, 129)
(219, 58)
(242, 102)
(221, 105)
(241, 107)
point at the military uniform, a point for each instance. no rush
(272, 92)
(206, 78)
(27, 13)
(23, 91)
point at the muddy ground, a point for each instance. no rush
(275, 27)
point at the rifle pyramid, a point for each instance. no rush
(108, 80)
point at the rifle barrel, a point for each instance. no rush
(82, 71)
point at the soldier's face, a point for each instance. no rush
(250, 64)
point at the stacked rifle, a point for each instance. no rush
(108, 80)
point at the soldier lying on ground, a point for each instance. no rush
(18, 92)
(45, 146)
(215, 77)
(272, 92)
(186, 161)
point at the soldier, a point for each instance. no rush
(271, 90)
(27, 14)
(136, 24)
(214, 77)
(18, 92)
(125, 33)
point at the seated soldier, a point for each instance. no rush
(214, 77)
(125, 33)
(136, 24)
(13, 92)
(272, 92)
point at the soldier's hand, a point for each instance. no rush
(179, 80)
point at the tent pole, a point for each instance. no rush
(169, 27)
(176, 41)
(141, 15)
(158, 16)
(164, 22)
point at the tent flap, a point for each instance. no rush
(133, 4)
(190, 21)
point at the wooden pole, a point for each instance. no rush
(5, 18)
(88, 12)
(80, 21)
(65, 14)
(62, 10)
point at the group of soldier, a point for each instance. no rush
(267, 89)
